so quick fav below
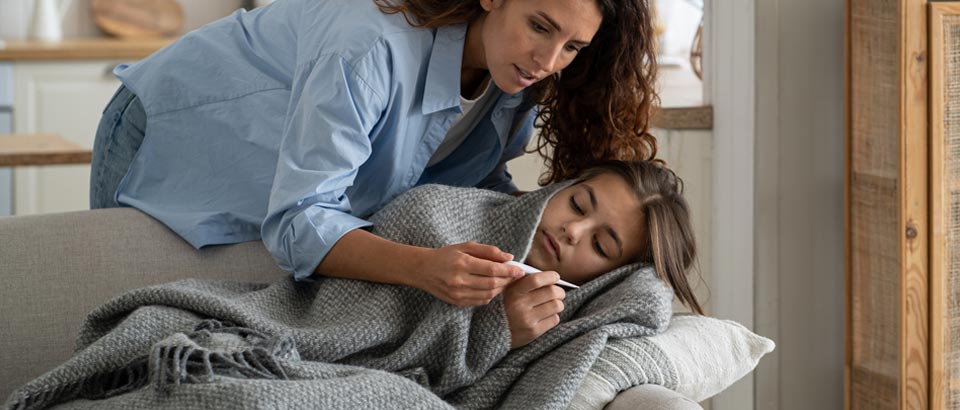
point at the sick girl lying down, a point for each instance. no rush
(614, 214)
(621, 231)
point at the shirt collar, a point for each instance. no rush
(442, 90)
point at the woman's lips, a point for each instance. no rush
(522, 79)
(551, 245)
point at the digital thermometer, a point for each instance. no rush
(527, 269)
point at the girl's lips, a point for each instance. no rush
(551, 245)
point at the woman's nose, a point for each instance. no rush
(546, 59)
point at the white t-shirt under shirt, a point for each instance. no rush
(473, 111)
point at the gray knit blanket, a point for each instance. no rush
(344, 344)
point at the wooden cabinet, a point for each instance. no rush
(64, 98)
(903, 205)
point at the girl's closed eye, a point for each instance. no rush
(596, 245)
(576, 207)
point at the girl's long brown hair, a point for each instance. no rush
(599, 108)
(668, 244)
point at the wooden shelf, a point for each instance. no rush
(681, 101)
(684, 118)
(40, 149)
(80, 49)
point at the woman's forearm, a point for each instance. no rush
(362, 255)
(466, 274)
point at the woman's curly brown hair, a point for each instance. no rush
(599, 108)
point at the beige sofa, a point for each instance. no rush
(58, 267)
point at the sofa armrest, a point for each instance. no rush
(57, 267)
(651, 397)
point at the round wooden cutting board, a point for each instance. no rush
(138, 18)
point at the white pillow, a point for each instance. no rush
(697, 356)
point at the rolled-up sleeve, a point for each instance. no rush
(325, 140)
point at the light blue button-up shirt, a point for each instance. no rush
(293, 122)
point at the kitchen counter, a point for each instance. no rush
(80, 49)
(40, 149)
(681, 92)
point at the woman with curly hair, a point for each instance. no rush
(295, 121)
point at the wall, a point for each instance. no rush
(13, 23)
(799, 203)
(15, 16)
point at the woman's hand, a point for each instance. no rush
(466, 274)
(533, 305)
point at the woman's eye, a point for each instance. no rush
(537, 27)
(573, 49)
(596, 245)
(576, 207)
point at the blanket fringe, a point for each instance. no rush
(176, 364)
(45, 398)
(108, 384)
(186, 360)
(99, 386)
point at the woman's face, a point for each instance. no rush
(588, 229)
(525, 41)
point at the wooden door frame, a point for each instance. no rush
(939, 204)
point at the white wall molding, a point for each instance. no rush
(767, 199)
(6, 126)
(729, 85)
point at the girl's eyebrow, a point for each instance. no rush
(613, 233)
(593, 198)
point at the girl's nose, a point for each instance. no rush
(574, 230)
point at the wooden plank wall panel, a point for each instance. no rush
(874, 87)
(873, 362)
(875, 333)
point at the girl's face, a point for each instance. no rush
(525, 41)
(588, 229)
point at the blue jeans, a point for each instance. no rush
(119, 136)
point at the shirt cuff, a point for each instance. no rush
(315, 231)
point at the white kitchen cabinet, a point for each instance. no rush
(64, 98)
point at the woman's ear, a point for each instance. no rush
(489, 5)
